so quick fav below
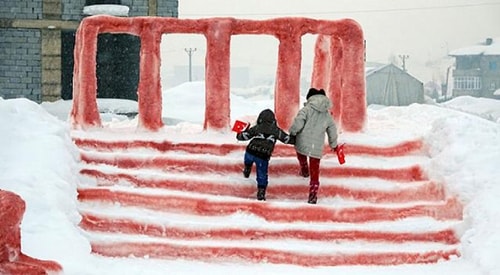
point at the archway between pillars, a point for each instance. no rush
(338, 66)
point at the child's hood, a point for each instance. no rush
(320, 103)
(266, 116)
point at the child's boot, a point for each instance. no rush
(261, 193)
(247, 170)
(313, 193)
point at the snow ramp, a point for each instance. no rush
(160, 199)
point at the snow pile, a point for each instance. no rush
(116, 10)
(484, 107)
(39, 162)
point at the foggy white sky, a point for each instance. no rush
(423, 29)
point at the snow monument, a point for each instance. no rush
(338, 66)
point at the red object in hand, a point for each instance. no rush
(340, 153)
(239, 126)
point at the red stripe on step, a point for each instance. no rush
(260, 255)
(412, 173)
(429, 191)
(120, 225)
(400, 149)
(452, 209)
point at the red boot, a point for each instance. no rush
(313, 193)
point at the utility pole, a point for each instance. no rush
(190, 52)
(403, 58)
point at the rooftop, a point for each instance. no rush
(491, 46)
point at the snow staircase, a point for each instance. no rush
(151, 199)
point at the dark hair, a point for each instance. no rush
(314, 91)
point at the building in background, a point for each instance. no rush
(477, 70)
(38, 38)
(391, 86)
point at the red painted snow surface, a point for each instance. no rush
(450, 209)
(173, 164)
(338, 66)
(420, 191)
(129, 178)
(217, 190)
(401, 149)
(12, 260)
(130, 226)
(260, 255)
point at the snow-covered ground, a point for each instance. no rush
(39, 161)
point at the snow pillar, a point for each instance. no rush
(287, 89)
(335, 77)
(338, 66)
(149, 89)
(353, 95)
(327, 71)
(84, 112)
(217, 69)
(339, 69)
(321, 62)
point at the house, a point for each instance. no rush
(389, 85)
(477, 70)
(37, 40)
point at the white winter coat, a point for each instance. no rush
(310, 126)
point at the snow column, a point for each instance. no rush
(287, 89)
(353, 94)
(149, 88)
(335, 75)
(322, 62)
(84, 111)
(327, 73)
(339, 67)
(217, 65)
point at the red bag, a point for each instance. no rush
(340, 153)
(239, 126)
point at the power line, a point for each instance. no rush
(350, 11)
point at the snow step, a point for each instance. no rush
(150, 197)
(206, 165)
(427, 191)
(400, 149)
(103, 223)
(214, 253)
(278, 212)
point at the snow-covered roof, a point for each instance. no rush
(116, 10)
(482, 48)
(373, 69)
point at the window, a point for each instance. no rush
(493, 65)
(467, 83)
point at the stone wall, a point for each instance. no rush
(31, 44)
(20, 64)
